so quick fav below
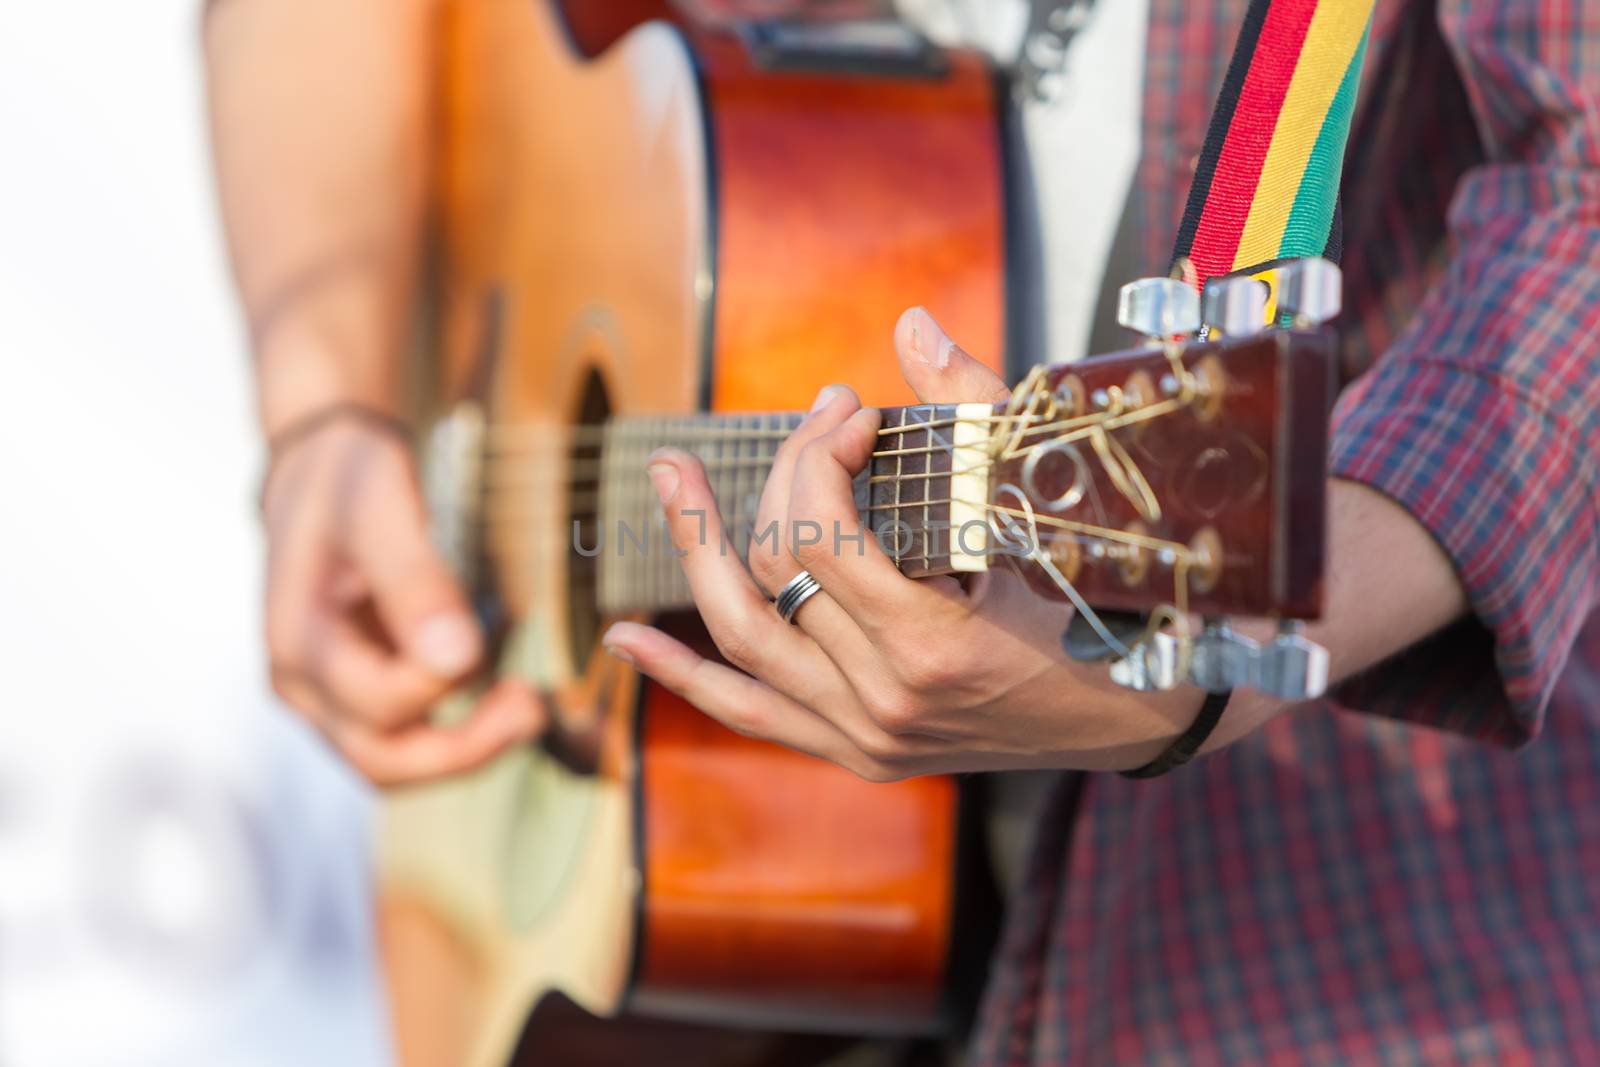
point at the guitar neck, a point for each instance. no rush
(903, 498)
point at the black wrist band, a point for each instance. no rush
(312, 422)
(1182, 750)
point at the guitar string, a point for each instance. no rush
(591, 467)
(1118, 466)
(1114, 460)
(1094, 426)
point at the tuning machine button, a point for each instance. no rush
(1220, 659)
(1236, 306)
(1159, 308)
(1310, 291)
(1152, 664)
(1292, 666)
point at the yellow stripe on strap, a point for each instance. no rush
(1330, 44)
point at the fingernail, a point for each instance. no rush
(928, 341)
(825, 397)
(618, 652)
(447, 644)
(664, 476)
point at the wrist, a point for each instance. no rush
(300, 373)
(314, 422)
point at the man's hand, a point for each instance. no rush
(883, 675)
(366, 628)
(891, 677)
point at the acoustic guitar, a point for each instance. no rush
(659, 229)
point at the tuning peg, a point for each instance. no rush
(1151, 665)
(1237, 306)
(1221, 659)
(1292, 666)
(1159, 308)
(1309, 291)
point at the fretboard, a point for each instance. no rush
(903, 498)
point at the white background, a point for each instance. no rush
(182, 867)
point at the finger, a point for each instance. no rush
(738, 701)
(856, 573)
(747, 631)
(417, 598)
(368, 682)
(507, 715)
(937, 369)
(298, 690)
(295, 553)
(770, 560)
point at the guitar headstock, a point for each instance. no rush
(1184, 477)
(1187, 475)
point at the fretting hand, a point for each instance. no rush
(886, 676)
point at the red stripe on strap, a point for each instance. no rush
(1244, 151)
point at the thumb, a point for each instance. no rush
(937, 369)
(417, 598)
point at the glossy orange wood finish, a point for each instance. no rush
(843, 201)
(780, 889)
(595, 25)
(1238, 474)
(785, 892)
(774, 887)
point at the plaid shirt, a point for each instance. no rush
(1380, 878)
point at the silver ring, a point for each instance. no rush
(801, 588)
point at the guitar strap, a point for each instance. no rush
(1266, 187)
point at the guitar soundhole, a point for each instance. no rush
(583, 509)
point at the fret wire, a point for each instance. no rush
(616, 583)
(627, 489)
(899, 463)
(751, 485)
(621, 458)
(752, 499)
(733, 532)
(641, 570)
(600, 566)
(636, 579)
(653, 572)
(927, 495)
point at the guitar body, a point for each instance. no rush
(644, 218)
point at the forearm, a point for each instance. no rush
(1389, 585)
(319, 118)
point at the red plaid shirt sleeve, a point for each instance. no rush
(1482, 420)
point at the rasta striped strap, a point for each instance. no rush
(1266, 187)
